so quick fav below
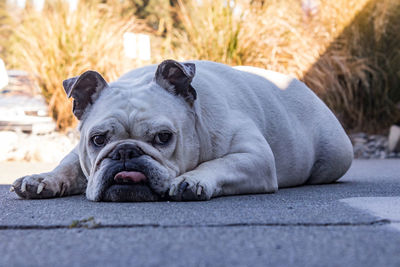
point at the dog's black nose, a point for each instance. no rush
(126, 152)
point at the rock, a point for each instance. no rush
(358, 140)
(394, 139)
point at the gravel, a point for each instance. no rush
(371, 146)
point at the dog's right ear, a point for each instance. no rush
(84, 89)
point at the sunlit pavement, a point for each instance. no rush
(355, 222)
(9, 171)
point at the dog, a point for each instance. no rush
(196, 130)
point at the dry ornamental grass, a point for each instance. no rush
(57, 44)
(346, 50)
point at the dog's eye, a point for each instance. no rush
(99, 140)
(162, 138)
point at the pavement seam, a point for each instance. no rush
(116, 226)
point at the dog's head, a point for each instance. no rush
(137, 133)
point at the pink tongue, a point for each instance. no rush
(135, 177)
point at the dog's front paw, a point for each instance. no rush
(186, 188)
(38, 186)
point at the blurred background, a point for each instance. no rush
(346, 51)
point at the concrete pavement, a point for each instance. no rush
(354, 222)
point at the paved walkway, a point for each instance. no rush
(355, 222)
(10, 171)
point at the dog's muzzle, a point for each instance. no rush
(128, 175)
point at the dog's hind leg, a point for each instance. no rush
(334, 157)
(66, 179)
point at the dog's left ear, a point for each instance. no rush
(176, 78)
(84, 89)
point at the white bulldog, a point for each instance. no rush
(193, 131)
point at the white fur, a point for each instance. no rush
(249, 131)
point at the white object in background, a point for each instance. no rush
(310, 7)
(237, 10)
(137, 46)
(144, 46)
(73, 5)
(18, 3)
(394, 138)
(21, 3)
(38, 5)
(3, 75)
(130, 45)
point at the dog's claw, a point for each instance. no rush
(12, 188)
(172, 190)
(187, 190)
(199, 190)
(63, 188)
(23, 187)
(40, 188)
